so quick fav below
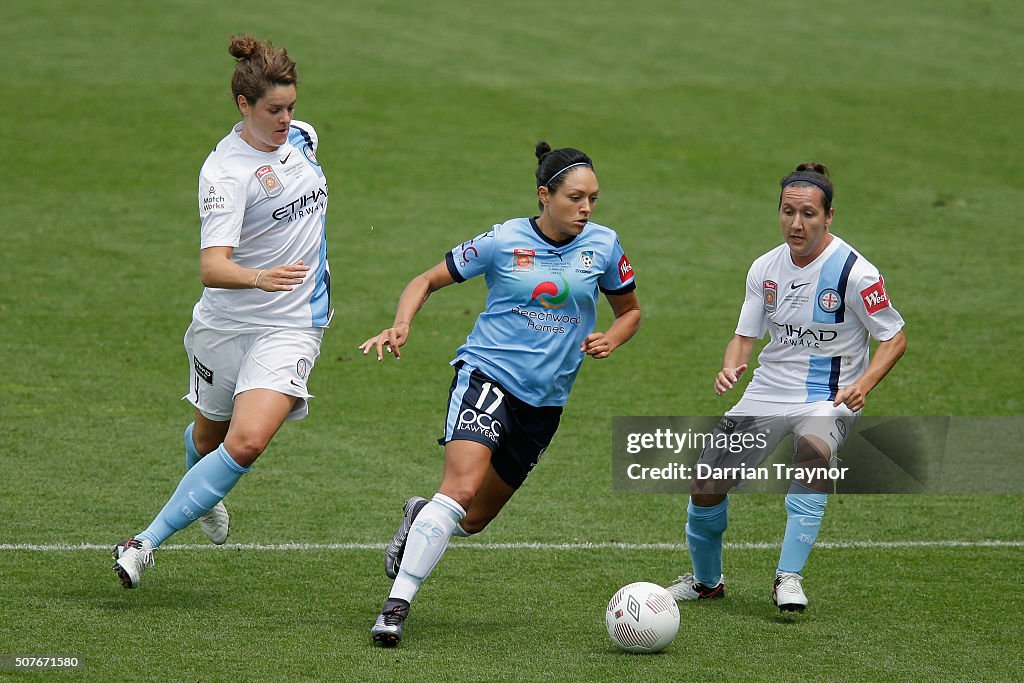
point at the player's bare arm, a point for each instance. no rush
(883, 360)
(412, 299)
(734, 363)
(626, 308)
(218, 270)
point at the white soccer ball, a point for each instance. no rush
(642, 617)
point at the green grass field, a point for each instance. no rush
(427, 114)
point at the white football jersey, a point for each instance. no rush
(819, 318)
(271, 208)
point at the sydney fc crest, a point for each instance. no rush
(586, 259)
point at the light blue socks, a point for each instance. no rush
(427, 542)
(805, 509)
(202, 487)
(704, 529)
(191, 454)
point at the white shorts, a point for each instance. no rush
(771, 422)
(223, 364)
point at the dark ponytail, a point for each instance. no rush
(552, 164)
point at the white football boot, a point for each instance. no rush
(131, 559)
(788, 593)
(215, 524)
(687, 587)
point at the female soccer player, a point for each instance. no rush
(820, 299)
(256, 331)
(514, 373)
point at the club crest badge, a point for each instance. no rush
(302, 368)
(587, 259)
(269, 181)
(770, 291)
(829, 300)
(841, 426)
(523, 260)
(310, 154)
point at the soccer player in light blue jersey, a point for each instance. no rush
(820, 300)
(256, 331)
(514, 373)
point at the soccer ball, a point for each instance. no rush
(642, 617)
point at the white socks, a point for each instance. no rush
(427, 542)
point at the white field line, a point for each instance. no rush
(825, 545)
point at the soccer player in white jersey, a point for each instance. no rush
(514, 373)
(820, 300)
(256, 331)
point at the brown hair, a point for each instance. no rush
(259, 67)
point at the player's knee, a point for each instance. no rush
(206, 443)
(812, 452)
(474, 526)
(461, 495)
(245, 448)
(706, 500)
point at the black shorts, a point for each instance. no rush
(481, 410)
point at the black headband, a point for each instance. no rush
(813, 181)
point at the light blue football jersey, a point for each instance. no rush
(541, 303)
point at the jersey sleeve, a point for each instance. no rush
(866, 295)
(221, 210)
(618, 277)
(472, 258)
(753, 322)
(309, 131)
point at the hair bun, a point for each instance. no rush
(243, 46)
(813, 167)
(542, 148)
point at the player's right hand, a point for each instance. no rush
(282, 278)
(389, 340)
(727, 377)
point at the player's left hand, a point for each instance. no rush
(390, 340)
(597, 345)
(852, 396)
